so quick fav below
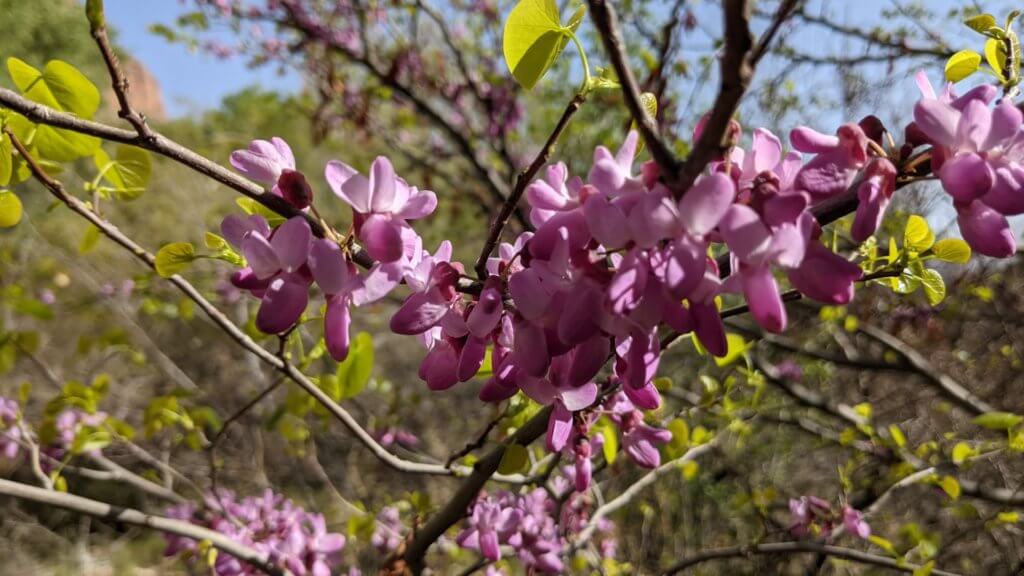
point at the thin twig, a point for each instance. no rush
(119, 82)
(801, 547)
(522, 181)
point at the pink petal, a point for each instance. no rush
(348, 185)
(763, 297)
(291, 243)
(419, 313)
(283, 303)
(471, 358)
(767, 150)
(419, 205)
(382, 238)
(528, 294)
(587, 360)
(1006, 122)
(578, 398)
(966, 176)
(811, 141)
(260, 256)
(938, 121)
(382, 185)
(1007, 193)
(559, 428)
(707, 324)
(531, 348)
(336, 327)
(986, 230)
(704, 205)
(744, 232)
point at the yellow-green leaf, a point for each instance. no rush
(998, 420)
(995, 55)
(981, 22)
(610, 446)
(175, 257)
(897, 436)
(514, 460)
(934, 286)
(10, 209)
(128, 172)
(882, 543)
(962, 64)
(950, 486)
(61, 87)
(952, 250)
(89, 240)
(690, 469)
(1008, 517)
(354, 372)
(737, 348)
(961, 452)
(918, 235)
(6, 161)
(534, 36)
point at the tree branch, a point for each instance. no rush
(105, 511)
(801, 547)
(119, 82)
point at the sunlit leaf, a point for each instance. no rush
(6, 161)
(89, 240)
(737, 348)
(950, 486)
(962, 64)
(995, 55)
(175, 257)
(61, 87)
(934, 286)
(534, 37)
(961, 452)
(10, 209)
(128, 172)
(981, 22)
(998, 420)
(952, 250)
(918, 235)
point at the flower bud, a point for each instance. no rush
(295, 189)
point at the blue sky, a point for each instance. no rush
(190, 81)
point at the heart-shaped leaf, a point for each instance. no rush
(128, 172)
(962, 64)
(62, 87)
(10, 209)
(534, 37)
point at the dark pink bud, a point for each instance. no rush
(295, 189)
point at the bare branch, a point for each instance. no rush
(105, 511)
(119, 82)
(802, 547)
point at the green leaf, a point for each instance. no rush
(6, 161)
(934, 286)
(128, 172)
(882, 543)
(89, 240)
(952, 250)
(61, 87)
(173, 258)
(10, 209)
(534, 37)
(950, 486)
(961, 452)
(962, 64)
(995, 55)
(918, 235)
(514, 460)
(680, 438)
(998, 420)
(610, 447)
(1008, 517)
(214, 242)
(737, 348)
(897, 436)
(354, 372)
(981, 23)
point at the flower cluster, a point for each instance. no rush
(522, 521)
(813, 517)
(10, 432)
(60, 434)
(978, 154)
(283, 263)
(271, 524)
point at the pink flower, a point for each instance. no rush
(382, 203)
(264, 161)
(853, 521)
